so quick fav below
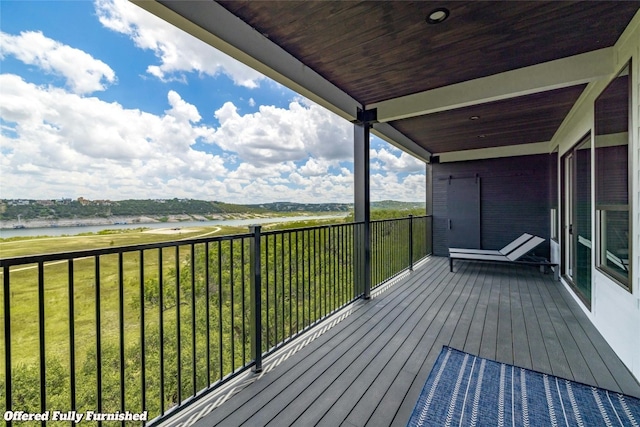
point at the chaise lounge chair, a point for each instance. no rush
(511, 253)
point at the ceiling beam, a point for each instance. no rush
(494, 152)
(560, 73)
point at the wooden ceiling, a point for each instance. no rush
(377, 51)
(385, 49)
(522, 120)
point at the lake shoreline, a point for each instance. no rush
(178, 223)
(135, 219)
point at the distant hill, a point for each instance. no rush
(83, 208)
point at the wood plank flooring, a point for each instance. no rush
(369, 368)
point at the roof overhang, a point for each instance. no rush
(482, 71)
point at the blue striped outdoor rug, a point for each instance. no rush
(465, 390)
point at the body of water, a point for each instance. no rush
(70, 231)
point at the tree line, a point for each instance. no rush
(51, 209)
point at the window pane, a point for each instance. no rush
(582, 219)
(615, 242)
(612, 163)
(612, 177)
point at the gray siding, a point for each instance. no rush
(514, 199)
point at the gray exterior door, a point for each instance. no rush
(463, 213)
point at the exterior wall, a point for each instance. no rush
(636, 200)
(514, 199)
(614, 311)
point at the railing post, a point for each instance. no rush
(367, 260)
(256, 298)
(7, 340)
(430, 238)
(410, 242)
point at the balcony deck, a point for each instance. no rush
(369, 368)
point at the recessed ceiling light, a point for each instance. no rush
(474, 117)
(438, 15)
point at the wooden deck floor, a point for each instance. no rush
(369, 368)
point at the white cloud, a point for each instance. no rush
(390, 187)
(83, 73)
(177, 51)
(182, 110)
(273, 135)
(396, 175)
(402, 163)
(315, 167)
(58, 144)
(96, 149)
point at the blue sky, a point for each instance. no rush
(102, 100)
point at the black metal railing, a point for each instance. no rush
(396, 244)
(153, 327)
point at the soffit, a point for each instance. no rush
(376, 51)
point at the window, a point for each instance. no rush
(612, 178)
(577, 209)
